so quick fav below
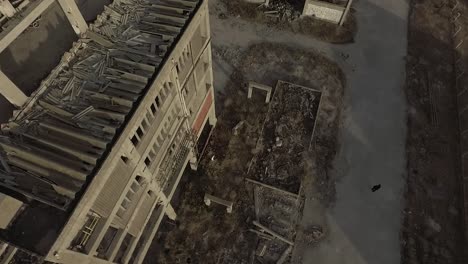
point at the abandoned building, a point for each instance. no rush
(96, 153)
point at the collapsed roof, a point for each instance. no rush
(51, 147)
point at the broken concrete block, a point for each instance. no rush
(238, 127)
(284, 256)
(259, 86)
(210, 198)
(261, 249)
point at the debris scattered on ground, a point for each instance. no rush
(286, 15)
(313, 234)
(238, 127)
(207, 234)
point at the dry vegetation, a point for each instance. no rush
(208, 234)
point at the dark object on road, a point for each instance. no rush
(376, 187)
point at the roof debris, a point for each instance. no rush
(56, 141)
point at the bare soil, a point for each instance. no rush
(288, 17)
(204, 234)
(432, 224)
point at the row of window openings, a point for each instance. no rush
(162, 136)
(135, 187)
(155, 106)
(183, 59)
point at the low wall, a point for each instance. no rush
(323, 10)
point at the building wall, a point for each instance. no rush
(323, 10)
(9, 207)
(119, 214)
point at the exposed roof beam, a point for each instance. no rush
(91, 159)
(75, 134)
(11, 92)
(44, 161)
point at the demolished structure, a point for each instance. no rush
(98, 150)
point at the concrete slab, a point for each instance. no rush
(9, 206)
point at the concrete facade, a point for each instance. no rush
(323, 10)
(114, 153)
(9, 207)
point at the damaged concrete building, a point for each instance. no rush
(97, 151)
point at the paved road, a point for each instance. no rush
(364, 226)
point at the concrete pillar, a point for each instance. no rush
(212, 116)
(249, 93)
(346, 12)
(170, 212)
(3, 247)
(8, 255)
(193, 161)
(11, 92)
(6, 8)
(116, 244)
(97, 235)
(74, 15)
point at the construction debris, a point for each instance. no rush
(291, 122)
(272, 187)
(313, 234)
(262, 235)
(261, 249)
(257, 202)
(238, 127)
(285, 255)
(273, 233)
(207, 235)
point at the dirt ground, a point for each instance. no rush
(432, 228)
(208, 234)
(288, 17)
